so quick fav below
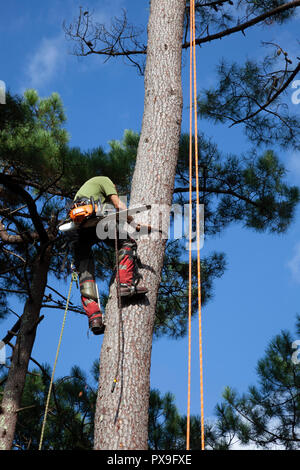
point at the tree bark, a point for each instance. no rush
(121, 420)
(15, 382)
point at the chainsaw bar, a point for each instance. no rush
(113, 215)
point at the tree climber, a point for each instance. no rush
(102, 189)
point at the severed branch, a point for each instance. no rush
(12, 332)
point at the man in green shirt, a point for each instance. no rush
(99, 187)
(102, 189)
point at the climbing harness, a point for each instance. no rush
(73, 278)
(193, 103)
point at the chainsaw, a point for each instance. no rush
(89, 215)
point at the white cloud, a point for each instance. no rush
(294, 264)
(46, 62)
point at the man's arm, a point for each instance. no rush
(118, 204)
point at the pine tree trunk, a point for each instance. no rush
(21, 354)
(153, 183)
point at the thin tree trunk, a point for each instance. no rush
(121, 420)
(22, 351)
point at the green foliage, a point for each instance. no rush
(34, 154)
(164, 422)
(31, 144)
(14, 113)
(117, 164)
(167, 428)
(250, 189)
(71, 414)
(261, 6)
(70, 419)
(248, 95)
(172, 302)
(268, 414)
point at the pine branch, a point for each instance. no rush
(62, 307)
(14, 254)
(271, 99)
(13, 291)
(241, 27)
(58, 293)
(214, 5)
(219, 191)
(8, 182)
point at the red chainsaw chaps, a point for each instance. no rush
(126, 268)
(91, 307)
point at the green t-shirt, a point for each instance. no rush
(100, 187)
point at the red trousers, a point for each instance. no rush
(84, 262)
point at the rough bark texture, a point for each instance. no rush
(153, 182)
(21, 354)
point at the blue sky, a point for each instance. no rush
(258, 294)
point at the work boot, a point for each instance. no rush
(126, 290)
(96, 325)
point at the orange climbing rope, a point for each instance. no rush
(193, 103)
